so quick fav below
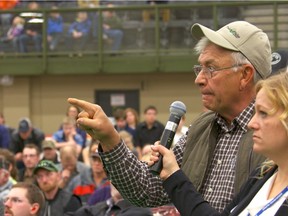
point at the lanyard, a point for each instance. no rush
(272, 202)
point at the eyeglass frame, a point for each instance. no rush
(209, 72)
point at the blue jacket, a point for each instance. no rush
(4, 137)
(55, 25)
(83, 27)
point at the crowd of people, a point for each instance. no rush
(23, 32)
(230, 161)
(72, 31)
(66, 165)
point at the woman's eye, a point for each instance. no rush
(262, 113)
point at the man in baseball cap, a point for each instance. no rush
(46, 165)
(243, 37)
(50, 152)
(279, 61)
(216, 154)
(58, 201)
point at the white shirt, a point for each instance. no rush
(260, 200)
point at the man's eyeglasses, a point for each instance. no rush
(208, 71)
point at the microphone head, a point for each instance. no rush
(178, 108)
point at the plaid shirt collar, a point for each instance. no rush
(242, 119)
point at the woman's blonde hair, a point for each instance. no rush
(276, 89)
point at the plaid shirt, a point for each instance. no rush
(133, 179)
(218, 187)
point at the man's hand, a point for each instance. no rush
(96, 123)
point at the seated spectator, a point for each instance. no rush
(49, 152)
(150, 130)
(73, 112)
(78, 33)
(112, 26)
(111, 29)
(58, 201)
(164, 13)
(9, 158)
(116, 205)
(67, 136)
(128, 139)
(24, 199)
(88, 3)
(4, 137)
(25, 134)
(13, 33)
(120, 121)
(31, 157)
(132, 119)
(5, 18)
(73, 172)
(54, 29)
(90, 190)
(5, 180)
(3, 122)
(32, 28)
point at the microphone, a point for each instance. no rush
(177, 110)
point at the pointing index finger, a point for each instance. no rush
(86, 106)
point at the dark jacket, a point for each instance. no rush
(64, 202)
(17, 143)
(145, 135)
(189, 202)
(107, 208)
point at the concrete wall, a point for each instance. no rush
(43, 98)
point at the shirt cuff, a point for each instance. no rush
(116, 155)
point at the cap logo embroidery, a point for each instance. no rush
(276, 58)
(233, 32)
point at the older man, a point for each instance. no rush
(216, 153)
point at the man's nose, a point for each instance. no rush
(7, 203)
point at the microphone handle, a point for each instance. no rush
(166, 140)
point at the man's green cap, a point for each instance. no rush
(46, 165)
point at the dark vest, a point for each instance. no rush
(201, 142)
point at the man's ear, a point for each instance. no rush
(35, 207)
(247, 76)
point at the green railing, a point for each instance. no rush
(162, 44)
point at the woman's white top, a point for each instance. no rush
(260, 200)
